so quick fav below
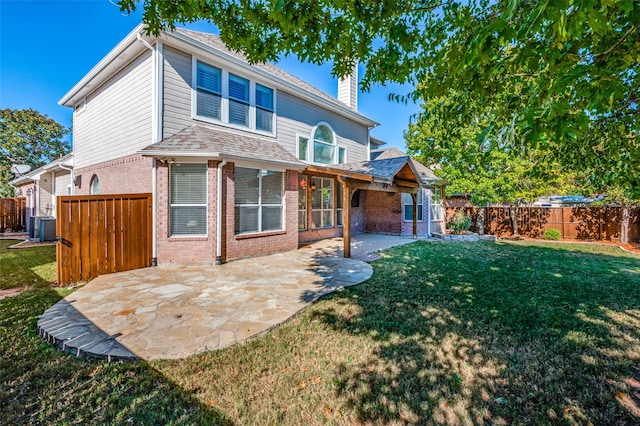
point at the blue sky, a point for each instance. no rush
(46, 47)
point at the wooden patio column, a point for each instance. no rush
(414, 197)
(346, 216)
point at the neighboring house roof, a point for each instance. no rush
(376, 141)
(65, 161)
(203, 141)
(426, 174)
(131, 46)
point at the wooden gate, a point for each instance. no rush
(12, 214)
(101, 234)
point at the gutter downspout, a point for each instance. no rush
(154, 213)
(219, 212)
(429, 213)
(155, 120)
(73, 175)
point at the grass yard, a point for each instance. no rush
(22, 268)
(508, 333)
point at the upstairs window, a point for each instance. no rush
(238, 100)
(264, 108)
(209, 89)
(324, 145)
(222, 97)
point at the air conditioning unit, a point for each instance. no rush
(47, 229)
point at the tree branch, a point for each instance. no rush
(615, 46)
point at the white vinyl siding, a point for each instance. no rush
(295, 117)
(45, 205)
(259, 196)
(291, 115)
(177, 91)
(63, 180)
(117, 119)
(188, 198)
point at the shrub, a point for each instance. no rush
(460, 223)
(551, 234)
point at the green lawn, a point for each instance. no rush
(508, 333)
(30, 267)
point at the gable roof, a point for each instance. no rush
(137, 41)
(65, 160)
(203, 141)
(425, 173)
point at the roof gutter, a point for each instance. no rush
(218, 156)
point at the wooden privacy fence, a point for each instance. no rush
(576, 223)
(101, 234)
(12, 214)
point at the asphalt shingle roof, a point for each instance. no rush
(205, 140)
(381, 154)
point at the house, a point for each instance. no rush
(43, 185)
(241, 160)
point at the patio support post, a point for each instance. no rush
(346, 212)
(414, 197)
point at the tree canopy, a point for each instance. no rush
(574, 63)
(28, 137)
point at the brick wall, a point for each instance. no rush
(185, 249)
(126, 175)
(383, 212)
(241, 246)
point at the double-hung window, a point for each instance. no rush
(259, 196)
(238, 100)
(188, 198)
(407, 201)
(226, 98)
(209, 91)
(264, 108)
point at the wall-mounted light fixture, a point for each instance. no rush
(313, 185)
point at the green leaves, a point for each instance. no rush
(27, 137)
(568, 70)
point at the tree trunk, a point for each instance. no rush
(480, 221)
(624, 226)
(513, 212)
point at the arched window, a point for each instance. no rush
(95, 185)
(324, 145)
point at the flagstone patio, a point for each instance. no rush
(177, 311)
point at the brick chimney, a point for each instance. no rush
(348, 88)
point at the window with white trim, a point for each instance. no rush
(342, 155)
(322, 203)
(209, 91)
(436, 204)
(188, 199)
(95, 185)
(264, 108)
(303, 148)
(407, 203)
(324, 145)
(227, 98)
(238, 100)
(259, 196)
